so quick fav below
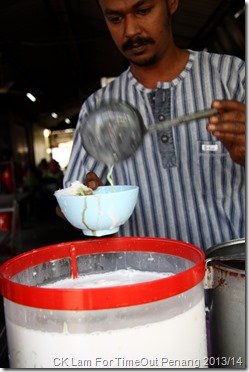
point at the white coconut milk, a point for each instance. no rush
(109, 279)
(179, 341)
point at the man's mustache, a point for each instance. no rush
(139, 41)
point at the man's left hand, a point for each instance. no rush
(229, 127)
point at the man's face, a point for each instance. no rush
(140, 28)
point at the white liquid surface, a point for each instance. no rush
(109, 279)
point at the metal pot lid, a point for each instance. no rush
(230, 254)
(233, 248)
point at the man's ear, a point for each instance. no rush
(173, 5)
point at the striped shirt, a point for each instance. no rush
(190, 189)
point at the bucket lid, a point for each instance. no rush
(104, 297)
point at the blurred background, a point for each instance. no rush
(53, 55)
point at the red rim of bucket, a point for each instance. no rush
(102, 298)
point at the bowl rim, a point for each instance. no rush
(129, 188)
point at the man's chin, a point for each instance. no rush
(142, 61)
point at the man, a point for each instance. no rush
(191, 177)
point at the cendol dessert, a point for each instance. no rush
(76, 188)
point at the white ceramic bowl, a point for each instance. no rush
(101, 213)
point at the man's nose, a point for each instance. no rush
(132, 27)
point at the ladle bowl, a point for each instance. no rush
(114, 131)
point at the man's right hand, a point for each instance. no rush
(93, 181)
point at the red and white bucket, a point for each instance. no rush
(156, 323)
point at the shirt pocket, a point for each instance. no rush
(210, 168)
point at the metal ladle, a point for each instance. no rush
(114, 131)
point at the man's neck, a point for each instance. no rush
(165, 70)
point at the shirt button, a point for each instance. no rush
(161, 117)
(164, 138)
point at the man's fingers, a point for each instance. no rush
(229, 128)
(93, 181)
(228, 105)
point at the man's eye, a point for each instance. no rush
(115, 19)
(143, 11)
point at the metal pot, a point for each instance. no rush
(225, 284)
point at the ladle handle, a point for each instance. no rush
(183, 119)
